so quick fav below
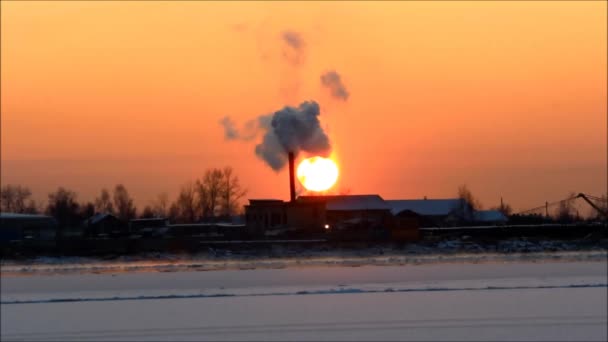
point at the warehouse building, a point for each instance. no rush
(18, 227)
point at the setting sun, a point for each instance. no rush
(317, 173)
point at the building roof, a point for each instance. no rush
(151, 219)
(266, 201)
(349, 202)
(425, 207)
(489, 216)
(100, 217)
(23, 216)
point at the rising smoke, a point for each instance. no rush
(291, 129)
(230, 131)
(331, 79)
(250, 129)
(294, 51)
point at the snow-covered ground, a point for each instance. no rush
(493, 300)
(445, 251)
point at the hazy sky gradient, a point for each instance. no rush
(508, 97)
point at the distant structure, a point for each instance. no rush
(102, 225)
(353, 216)
(491, 217)
(273, 216)
(434, 212)
(149, 226)
(349, 210)
(20, 227)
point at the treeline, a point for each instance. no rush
(215, 196)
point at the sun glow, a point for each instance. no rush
(317, 173)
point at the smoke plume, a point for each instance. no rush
(291, 129)
(294, 50)
(332, 80)
(230, 131)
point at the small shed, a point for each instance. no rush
(102, 225)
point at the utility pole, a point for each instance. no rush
(547, 209)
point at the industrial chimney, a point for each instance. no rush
(292, 181)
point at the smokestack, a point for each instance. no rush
(292, 181)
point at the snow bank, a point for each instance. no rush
(447, 251)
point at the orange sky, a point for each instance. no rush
(508, 97)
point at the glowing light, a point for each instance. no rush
(326, 226)
(317, 173)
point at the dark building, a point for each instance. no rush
(18, 227)
(350, 216)
(433, 212)
(104, 225)
(209, 231)
(313, 216)
(351, 210)
(149, 226)
(490, 217)
(273, 217)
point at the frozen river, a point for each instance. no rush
(490, 301)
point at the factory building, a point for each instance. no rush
(356, 216)
(351, 210)
(271, 215)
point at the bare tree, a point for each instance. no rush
(231, 193)
(160, 205)
(202, 197)
(103, 203)
(466, 194)
(148, 212)
(14, 198)
(186, 207)
(62, 205)
(32, 208)
(125, 210)
(7, 198)
(210, 192)
(86, 210)
(173, 214)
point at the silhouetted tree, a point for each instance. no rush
(173, 213)
(160, 205)
(103, 203)
(32, 208)
(231, 192)
(148, 212)
(123, 203)
(86, 210)
(210, 192)
(466, 194)
(62, 205)
(14, 198)
(186, 208)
